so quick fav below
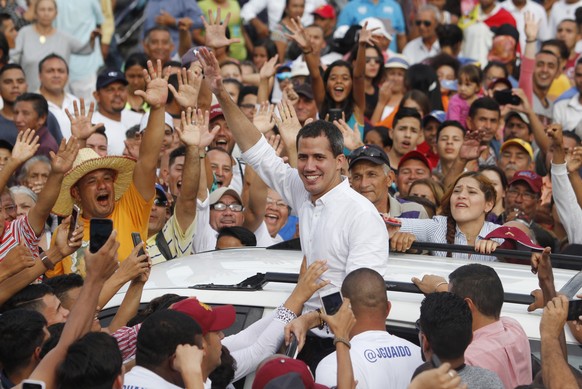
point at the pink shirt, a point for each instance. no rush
(503, 348)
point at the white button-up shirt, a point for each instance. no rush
(342, 226)
(568, 113)
(416, 51)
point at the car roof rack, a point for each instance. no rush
(259, 280)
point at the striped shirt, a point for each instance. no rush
(179, 242)
(16, 232)
(126, 338)
(435, 231)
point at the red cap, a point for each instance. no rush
(414, 155)
(325, 11)
(530, 178)
(281, 366)
(513, 237)
(210, 319)
(215, 111)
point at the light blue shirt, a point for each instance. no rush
(388, 11)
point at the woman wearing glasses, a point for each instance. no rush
(462, 221)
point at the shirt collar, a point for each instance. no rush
(335, 193)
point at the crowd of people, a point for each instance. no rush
(359, 127)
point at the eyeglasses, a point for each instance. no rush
(223, 206)
(279, 204)
(426, 23)
(160, 203)
(367, 151)
(283, 76)
(514, 193)
(377, 60)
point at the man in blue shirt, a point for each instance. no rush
(388, 11)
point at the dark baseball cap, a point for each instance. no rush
(109, 76)
(305, 90)
(191, 56)
(370, 153)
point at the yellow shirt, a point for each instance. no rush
(131, 214)
(559, 86)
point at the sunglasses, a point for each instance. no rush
(426, 23)
(377, 60)
(223, 206)
(160, 203)
(366, 151)
(283, 76)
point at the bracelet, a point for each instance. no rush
(531, 40)
(337, 340)
(46, 262)
(321, 322)
(439, 284)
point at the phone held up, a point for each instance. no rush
(74, 219)
(136, 238)
(331, 300)
(100, 231)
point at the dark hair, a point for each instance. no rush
(30, 297)
(178, 152)
(101, 131)
(548, 52)
(404, 112)
(383, 132)
(161, 333)
(246, 90)
(269, 46)
(486, 187)
(154, 29)
(380, 76)
(446, 321)
(52, 56)
(366, 290)
(173, 80)
(423, 77)
(486, 103)
(21, 332)
(38, 101)
(227, 62)
(496, 64)
(61, 284)
(139, 59)
(92, 361)
(55, 331)
(482, 285)
(436, 187)
(560, 44)
(244, 235)
(172, 64)
(4, 17)
(323, 128)
(500, 173)
(156, 304)
(449, 35)
(444, 60)
(472, 72)
(132, 132)
(348, 104)
(10, 66)
(572, 135)
(4, 48)
(450, 123)
(419, 97)
(223, 375)
(234, 81)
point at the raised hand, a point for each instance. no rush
(554, 132)
(554, 317)
(165, 19)
(193, 130)
(471, 147)
(185, 24)
(310, 281)
(156, 93)
(81, 125)
(212, 75)
(532, 26)
(102, 264)
(134, 265)
(342, 322)
(269, 68)
(216, 31)
(25, 147)
(263, 118)
(290, 95)
(574, 162)
(524, 106)
(65, 246)
(189, 82)
(352, 137)
(367, 36)
(385, 93)
(299, 36)
(288, 124)
(277, 144)
(17, 259)
(62, 161)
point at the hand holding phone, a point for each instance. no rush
(335, 114)
(73, 224)
(136, 238)
(33, 384)
(504, 97)
(574, 310)
(331, 300)
(293, 348)
(100, 231)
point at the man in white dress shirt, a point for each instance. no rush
(335, 222)
(427, 44)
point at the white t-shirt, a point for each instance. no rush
(115, 130)
(142, 378)
(61, 115)
(379, 360)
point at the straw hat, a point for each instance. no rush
(86, 162)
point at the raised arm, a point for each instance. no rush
(359, 84)
(470, 151)
(25, 147)
(81, 122)
(193, 132)
(61, 163)
(255, 210)
(289, 127)
(532, 28)
(189, 82)
(156, 94)
(245, 133)
(267, 74)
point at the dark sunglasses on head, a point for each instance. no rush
(160, 203)
(426, 23)
(377, 60)
(366, 151)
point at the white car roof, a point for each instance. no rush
(229, 267)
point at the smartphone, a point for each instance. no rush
(74, 217)
(436, 362)
(504, 97)
(136, 238)
(331, 300)
(335, 114)
(574, 310)
(99, 233)
(33, 384)
(293, 348)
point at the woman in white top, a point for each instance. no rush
(462, 221)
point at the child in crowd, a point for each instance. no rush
(469, 86)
